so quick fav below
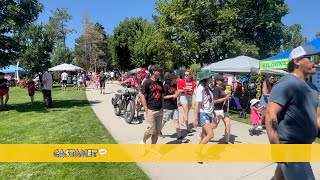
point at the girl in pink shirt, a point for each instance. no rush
(255, 117)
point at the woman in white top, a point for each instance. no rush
(203, 111)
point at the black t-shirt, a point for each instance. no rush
(102, 77)
(3, 86)
(219, 93)
(171, 103)
(154, 92)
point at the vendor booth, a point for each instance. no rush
(243, 89)
(281, 60)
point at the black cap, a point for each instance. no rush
(171, 76)
(155, 68)
(218, 77)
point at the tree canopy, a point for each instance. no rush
(15, 18)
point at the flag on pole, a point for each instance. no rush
(17, 73)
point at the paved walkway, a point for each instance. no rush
(132, 134)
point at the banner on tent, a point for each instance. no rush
(274, 64)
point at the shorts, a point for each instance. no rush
(31, 93)
(154, 121)
(297, 170)
(64, 82)
(137, 98)
(3, 92)
(220, 114)
(170, 114)
(263, 101)
(102, 84)
(185, 99)
(204, 118)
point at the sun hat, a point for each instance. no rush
(305, 50)
(253, 102)
(205, 75)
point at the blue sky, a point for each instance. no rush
(111, 12)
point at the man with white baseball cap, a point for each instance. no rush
(293, 114)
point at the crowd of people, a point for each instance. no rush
(289, 108)
(161, 97)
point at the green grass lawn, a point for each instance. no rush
(70, 121)
(234, 116)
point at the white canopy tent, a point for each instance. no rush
(66, 67)
(240, 64)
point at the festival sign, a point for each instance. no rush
(274, 64)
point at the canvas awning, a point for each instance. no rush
(240, 64)
(66, 67)
(12, 69)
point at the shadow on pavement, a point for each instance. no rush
(222, 140)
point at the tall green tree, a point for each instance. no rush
(37, 48)
(61, 54)
(58, 28)
(123, 42)
(204, 31)
(15, 18)
(58, 25)
(293, 37)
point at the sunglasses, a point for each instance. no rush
(310, 58)
(187, 74)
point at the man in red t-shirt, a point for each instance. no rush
(31, 88)
(186, 87)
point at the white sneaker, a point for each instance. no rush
(141, 142)
(259, 128)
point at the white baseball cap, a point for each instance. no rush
(305, 50)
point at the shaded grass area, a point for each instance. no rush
(70, 121)
(234, 116)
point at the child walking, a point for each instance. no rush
(255, 116)
(31, 88)
(74, 80)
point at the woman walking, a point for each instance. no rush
(220, 105)
(170, 106)
(186, 87)
(204, 107)
(266, 91)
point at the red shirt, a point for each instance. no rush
(187, 84)
(31, 86)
